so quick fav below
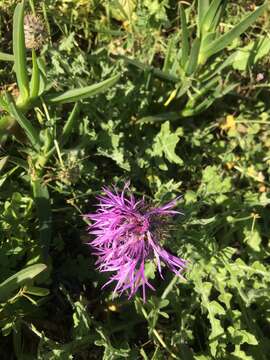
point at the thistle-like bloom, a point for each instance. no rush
(127, 235)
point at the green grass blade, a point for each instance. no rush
(218, 16)
(19, 52)
(29, 129)
(210, 16)
(69, 125)
(85, 92)
(6, 57)
(159, 118)
(226, 39)
(168, 56)
(185, 38)
(193, 58)
(42, 76)
(35, 79)
(42, 201)
(17, 280)
(219, 68)
(156, 72)
(203, 6)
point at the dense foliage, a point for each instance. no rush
(174, 97)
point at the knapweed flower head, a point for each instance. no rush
(127, 234)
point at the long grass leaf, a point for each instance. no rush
(6, 57)
(82, 93)
(19, 52)
(185, 38)
(193, 58)
(168, 56)
(29, 129)
(42, 201)
(226, 39)
(159, 118)
(35, 79)
(17, 280)
(70, 124)
(203, 6)
(156, 72)
(210, 16)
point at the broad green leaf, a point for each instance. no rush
(213, 182)
(82, 93)
(185, 38)
(193, 57)
(223, 41)
(29, 129)
(35, 290)
(34, 83)
(249, 55)
(6, 123)
(19, 52)
(6, 57)
(17, 280)
(122, 10)
(254, 240)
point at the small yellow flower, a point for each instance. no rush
(112, 307)
(228, 124)
(230, 165)
(262, 188)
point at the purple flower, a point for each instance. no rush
(127, 235)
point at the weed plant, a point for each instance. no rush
(174, 97)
